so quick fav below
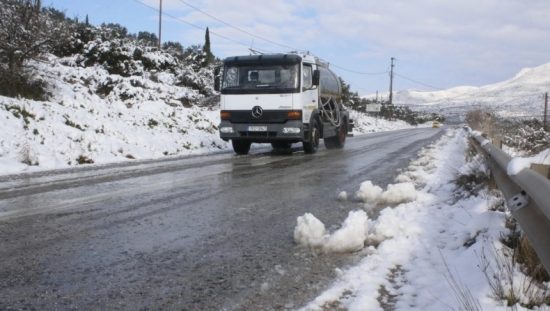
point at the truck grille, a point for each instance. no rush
(258, 134)
(268, 116)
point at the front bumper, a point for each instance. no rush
(275, 132)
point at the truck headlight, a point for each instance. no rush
(291, 130)
(226, 130)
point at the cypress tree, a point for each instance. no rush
(87, 22)
(206, 48)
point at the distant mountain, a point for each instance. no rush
(521, 96)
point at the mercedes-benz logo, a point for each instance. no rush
(257, 111)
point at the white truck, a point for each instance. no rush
(280, 99)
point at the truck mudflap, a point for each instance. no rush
(290, 131)
(351, 126)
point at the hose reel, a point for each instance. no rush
(330, 111)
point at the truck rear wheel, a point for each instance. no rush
(312, 144)
(241, 146)
(338, 141)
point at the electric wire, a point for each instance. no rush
(238, 28)
(418, 82)
(360, 72)
(197, 26)
(271, 41)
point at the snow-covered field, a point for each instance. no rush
(95, 117)
(428, 248)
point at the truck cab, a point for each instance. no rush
(280, 99)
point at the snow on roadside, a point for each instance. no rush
(517, 164)
(430, 242)
(94, 117)
(368, 124)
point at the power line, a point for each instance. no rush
(238, 28)
(418, 82)
(360, 72)
(196, 26)
(272, 41)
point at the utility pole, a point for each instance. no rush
(391, 81)
(545, 120)
(160, 23)
(390, 106)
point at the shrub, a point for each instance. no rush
(82, 159)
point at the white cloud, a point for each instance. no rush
(448, 36)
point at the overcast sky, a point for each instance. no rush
(442, 43)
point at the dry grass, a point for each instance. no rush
(462, 293)
(508, 280)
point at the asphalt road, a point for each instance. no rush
(197, 233)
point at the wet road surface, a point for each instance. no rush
(197, 233)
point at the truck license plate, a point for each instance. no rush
(257, 128)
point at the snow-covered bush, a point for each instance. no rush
(527, 136)
(26, 32)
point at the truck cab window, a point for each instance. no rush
(231, 78)
(307, 74)
(261, 78)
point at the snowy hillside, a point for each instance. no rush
(96, 117)
(93, 116)
(519, 96)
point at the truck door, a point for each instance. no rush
(310, 93)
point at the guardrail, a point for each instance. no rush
(527, 195)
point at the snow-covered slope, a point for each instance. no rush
(131, 118)
(518, 96)
(93, 116)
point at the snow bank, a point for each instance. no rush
(310, 232)
(516, 165)
(425, 242)
(367, 124)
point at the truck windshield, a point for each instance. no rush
(261, 79)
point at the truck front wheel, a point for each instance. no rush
(311, 145)
(241, 146)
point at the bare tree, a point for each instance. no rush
(25, 33)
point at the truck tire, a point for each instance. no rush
(338, 141)
(241, 146)
(312, 144)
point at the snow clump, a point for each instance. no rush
(368, 192)
(351, 236)
(310, 232)
(399, 193)
(394, 194)
(343, 196)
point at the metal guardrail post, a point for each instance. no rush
(528, 198)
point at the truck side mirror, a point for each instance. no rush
(217, 78)
(316, 77)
